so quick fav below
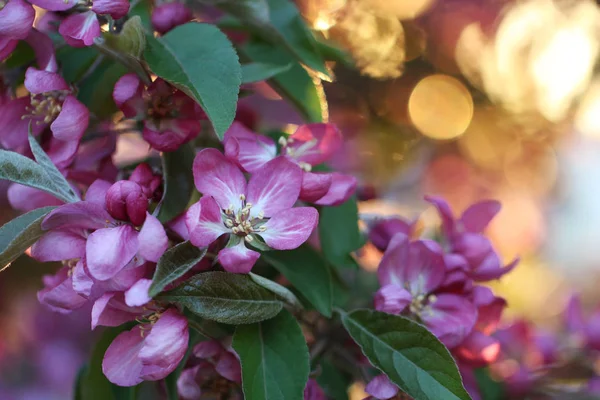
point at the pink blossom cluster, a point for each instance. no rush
(439, 283)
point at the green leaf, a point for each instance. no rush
(179, 182)
(143, 9)
(226, 298)
(295, 84)
(411, 356)
(489, 389)
(21, 56)
(95, 91)
(281, 291)
(131, 40)
(18, 235)
(20, 169)
(53, 173)
(333, 381)
(256, 72)
(174, 264)
(339, 232)
(307, 271)
(274, 357)
(199, 60)
(93, 383)
(75, 61)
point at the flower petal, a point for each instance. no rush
(249, 149)
(26, 198)
(109, 250)
(121, 364)
(478, 349)
(44, 50)
(381, 387)
(127, 95)
(80, 29)
(16, 19)
(238, 259)
(72, 121)
(166, 344)
(13, 130)
(170, 134)
(58, 293)
(392, 299)
(425, 269)
(451, 319)
(115, 8)
(288, 229)
(229, 367)
(381, 231)
(187, 386)
(215, 175)
(167, 16)
(315, 143)
(54, 5)
(96, 193)
(59, 245)
(443, 208)
(204, 222)
(110, 310)
(37, 81)
(137, 295)
(274, 187)
(315, 186)
(393, 260)
(153, 240)
(342, 187)
(83, 214)
(477, 217)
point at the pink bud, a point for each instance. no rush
(143, 176)
(169, 15)
(125, 200)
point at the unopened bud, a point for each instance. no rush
(126, 201)
(169, 15)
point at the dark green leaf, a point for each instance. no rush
(173, 264)
(333, 381)
(274, 357)
(75, 61)
(21, 56)
(281, 291)
(226, 298)
(95, 91)
(339, 233)
(18, 235)
(256, 72)
(411, 356)
(20, 169)
(179, 182)
(199, 60)
(295, 85)
(131, 40)
(307, 271)
(93, 383)
(143, 9)
(58, 179)
(489, 389)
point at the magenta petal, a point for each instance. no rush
(26, 198)
(573, 315)
(249, 149)
(72, 121)
(451, 318)
(228, 366)
(96, 193)
(392, 299)
(62, 153)
(187, 385)
(115, 8)
(478, 349)
(381, 388)
(122, 365)
(315, 143)
(315, 186)
(82, 214)
(80, 30)
(477, 217)
(7, 45)
(44, 50)
(13, 130)
(204, 222)
(153, 240)
(58, 293)
(424, 271)
(16, 19)
(109, 250)
(167, 16)
(82, 282)
(238, 259)
(443, 208)
(382, 231)
(165, 346)
(274, 187)
(215, 175)
(127, 95)
(137, 295)
(54, 5)
(110, 310)
(313, 391)
(342, 187)
(394, 258)
(170, 134)
(37, 81)
(59, 245)
(288, 229)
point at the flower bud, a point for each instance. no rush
(125, 200)
(143, 176)
(169, 15)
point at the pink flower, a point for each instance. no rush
(382, 230)
(381, 388)
(167, 16)
(171, 118)
(411, 274)
(464, 238)
(313, 391)
(310, 145)
(147, 352)
(16, 19)
(247, 212)
(58, 293)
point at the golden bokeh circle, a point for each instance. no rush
(440, 107)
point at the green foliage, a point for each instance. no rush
(411, 356)
(173, 264)
(95, 91)
(308, 272)
(226, 298)
(256, 72)
(274, 357)
(75, 62)
(143, 9)
(489, 389)
(199, 60)
(131, 41)
(18, 235)
(334, 382)
(281, 291)
(178, 182)
(339, 233)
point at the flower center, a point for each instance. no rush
(71, 264)
(241, 223)
(296, 152)
(421, 304)
(47, 105)
(2, 4)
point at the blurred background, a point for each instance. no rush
(468, 99)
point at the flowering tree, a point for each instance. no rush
(224, 264)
